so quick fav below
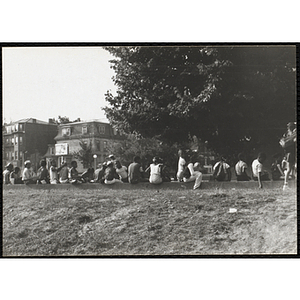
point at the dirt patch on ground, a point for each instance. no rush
(143, 222)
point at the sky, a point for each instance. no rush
(48, 82)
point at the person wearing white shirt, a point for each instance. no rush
(257, 169)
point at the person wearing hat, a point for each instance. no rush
(6, 173)
(28, 176)
(290, 151)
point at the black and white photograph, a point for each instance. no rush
(149, 150)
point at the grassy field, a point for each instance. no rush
(143, 222)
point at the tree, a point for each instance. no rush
(146, 148)
(85, 154)
(234, 98)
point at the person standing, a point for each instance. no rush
(181, 165)
(259, 174)
(288, 142)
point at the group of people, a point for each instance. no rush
(189, 169)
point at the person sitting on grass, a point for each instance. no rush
(73, 173)
(181, 165)
(110, 175)
(53, 172)
(64, 173)
(88, 175)
(15, 176)
(165, 174)
(121, 171)
(259, 174)
(6, 173)
(135, 171)
(221, 170)
(99, 173)
(240, 169)
(155, 171)
(28, 176)
(43, 174)
(192, 172)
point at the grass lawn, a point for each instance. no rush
(148, 222)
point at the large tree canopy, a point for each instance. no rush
(231, 97)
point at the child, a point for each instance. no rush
(181, 165)
(121, 171)
(43, 174)
(28, 176)
(257, 169)
(240, 169)
(222, 170)
(6, 173)
(155, 171)
(15, 176)
(64, 173)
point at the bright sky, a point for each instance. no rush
(46, 82)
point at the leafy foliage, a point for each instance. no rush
(85, 154)
(146, 148)
(236, 98)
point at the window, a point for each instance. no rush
(21, 127)
(16, 154)
(101, 129)
(66, 131)
(16, 140)
(98, 145)
(84, 130)
(12, 156)
(8, 129)
(6, 155)
(12, 141)
(51, 151)
(16, 127)
(6, 141)
(105, 146)
(21, 140)
(21, 154)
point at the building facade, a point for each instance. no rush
(26, 139)
(70, 135)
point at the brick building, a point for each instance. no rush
(26, 139)
(71, 134)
